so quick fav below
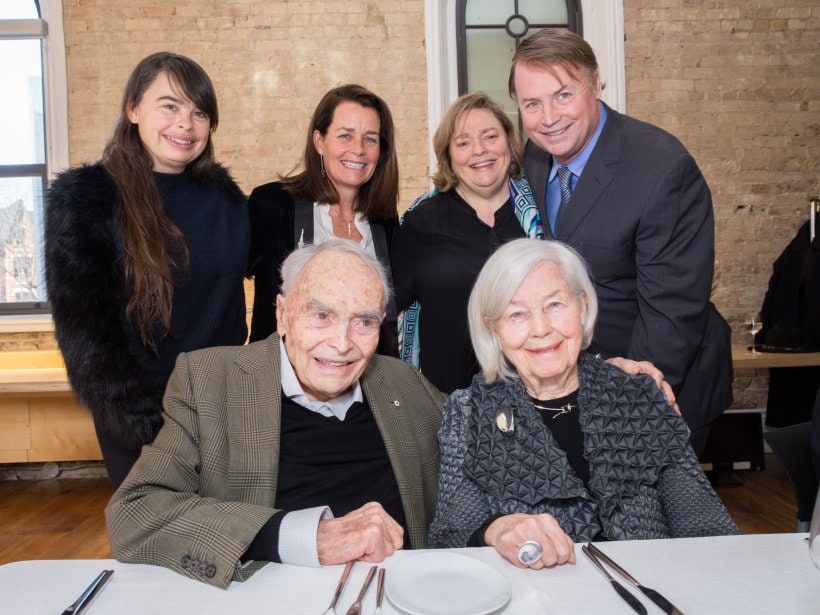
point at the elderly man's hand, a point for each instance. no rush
(509, 532)
(645, 367)
(367, 533)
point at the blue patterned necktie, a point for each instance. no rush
(565, 184)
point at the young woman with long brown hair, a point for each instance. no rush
(145, 254)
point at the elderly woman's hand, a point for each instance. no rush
(509, 532)
(645, 367)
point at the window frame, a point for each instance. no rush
(36, 316)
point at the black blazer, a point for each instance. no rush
(641, 215)
(278, 223)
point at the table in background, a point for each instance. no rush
(735, 439)
(743, 358)
(751, 574)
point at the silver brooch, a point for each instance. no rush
(505, 421)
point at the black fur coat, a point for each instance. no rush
(86, 287)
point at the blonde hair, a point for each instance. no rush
(444, 178)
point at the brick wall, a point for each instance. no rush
(738, 82)
(271, 61)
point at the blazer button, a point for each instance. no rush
(210, 571)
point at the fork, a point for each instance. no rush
(331, 610)
(379, 592)
(356, 607)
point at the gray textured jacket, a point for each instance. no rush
(645, 481)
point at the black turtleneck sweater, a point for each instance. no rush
(209, 297)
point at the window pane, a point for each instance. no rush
(544, 11)
(18, 9)
(21, 115)
(489, 54)
(488, 12)
(21, 268)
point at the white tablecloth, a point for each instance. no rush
(766, 574)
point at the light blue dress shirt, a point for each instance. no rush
(576, 165)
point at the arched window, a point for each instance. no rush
(34, 144)
(488, 33)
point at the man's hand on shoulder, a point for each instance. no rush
(645, 367)
(367, 533)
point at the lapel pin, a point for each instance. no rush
(396, 403)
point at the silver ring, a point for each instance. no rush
(529, 552)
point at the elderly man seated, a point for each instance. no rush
(308, 449)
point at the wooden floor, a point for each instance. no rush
(63, 519)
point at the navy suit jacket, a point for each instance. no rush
(641, 215)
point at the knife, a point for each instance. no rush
(89, 593)
(655, 596)
(623, 592)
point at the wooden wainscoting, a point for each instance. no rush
(40, 419)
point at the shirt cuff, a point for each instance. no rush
(298, 536)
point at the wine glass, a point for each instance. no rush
(753, 325)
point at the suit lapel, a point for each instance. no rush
(253, 403)
(597, 174)
(390, 412)
(537, 165)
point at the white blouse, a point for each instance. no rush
(323, 227)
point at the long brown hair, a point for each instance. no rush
(379, 196)
(154, 246)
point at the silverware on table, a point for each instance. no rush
(89, 593)
(379, 592)
(356, 607)
(653, 595)
(331, 610)
(623, 592)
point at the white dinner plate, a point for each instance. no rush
(446, 584)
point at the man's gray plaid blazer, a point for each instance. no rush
(202, 491)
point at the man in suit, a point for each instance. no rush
(632, 201)
(306, 449)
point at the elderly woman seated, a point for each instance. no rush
(550, 445)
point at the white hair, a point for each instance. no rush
(297, 260)
(498, 282)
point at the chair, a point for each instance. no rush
(791, 446)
